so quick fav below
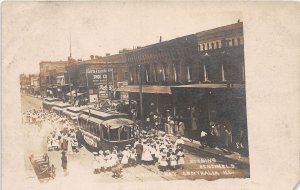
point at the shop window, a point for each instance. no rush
(239, 41)
(125, 75)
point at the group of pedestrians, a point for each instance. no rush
(149, 149)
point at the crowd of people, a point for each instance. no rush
(149, 149)
(63, 134)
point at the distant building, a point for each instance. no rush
(24, 83)
(49, 71)
(30, 84)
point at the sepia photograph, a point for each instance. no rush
(118, 92)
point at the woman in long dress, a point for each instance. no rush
(101, 161)
(125, 156)
(146, 156)
(173, 161)
(181, 128)
(180, 156)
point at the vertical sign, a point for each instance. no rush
(99, 78)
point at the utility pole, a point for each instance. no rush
(69, 60)
(141, 92)
(107, 82)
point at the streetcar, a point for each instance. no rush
(72, 112)
(48, 103)
(102, 129)
(59, 107)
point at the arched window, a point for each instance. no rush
(232, 42)
(207, 46)
(217, 43)
(212, 46)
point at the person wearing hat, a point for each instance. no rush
(146, 156)
(173, 161)
(107, 159)
(132, 158)
(101, 161)
(125, 156)
(95, 162)
(180, 157)
(163, 164)
(64, 162)
(139, 151)
(179, 141)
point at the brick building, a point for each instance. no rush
(50, 71)
(199, 78)
(91, 77)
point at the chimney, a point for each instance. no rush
(160, 38)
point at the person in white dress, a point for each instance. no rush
(173, 161)
(101, 161)
(179, 141)
(180, 157)
(163, 163)
(95, 163)
(125, 156)
(132, 158)
(146, 156)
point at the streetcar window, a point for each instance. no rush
(114, 134)
(98, 131)
(105, 132)
(123, 133)
(131, 133)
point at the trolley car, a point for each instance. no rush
(72, 113)
(59, 107)
(48, 103)
(104, 129)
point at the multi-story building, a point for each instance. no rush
(30, 84)
(90, 78)
(199, 78)
(51, 73)
(24, 83)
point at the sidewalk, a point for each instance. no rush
(234, 157)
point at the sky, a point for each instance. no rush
(41, 31)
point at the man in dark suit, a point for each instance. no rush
(139, 150)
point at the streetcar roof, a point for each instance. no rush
(51, 99)
(103, 115)
(57, 108)
(76, 109)
(91, 119)
(118, 122)
(61, 104)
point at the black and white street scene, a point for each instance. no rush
(167, 107)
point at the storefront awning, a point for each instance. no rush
(146, 89)
(210, 86)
